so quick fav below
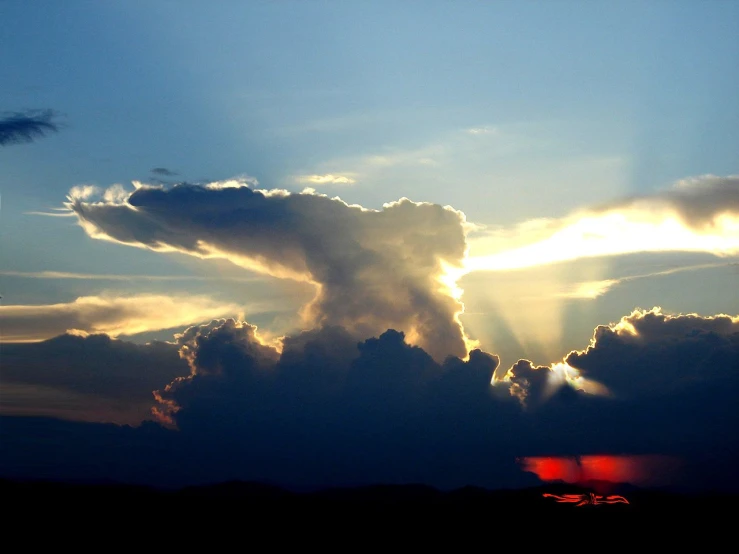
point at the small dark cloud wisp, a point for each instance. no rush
(26, 126)
(164, 172)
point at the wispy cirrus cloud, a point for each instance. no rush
(327, 179)
(695, 215)
(122, 277)
(385, 161)
(112, 315)
(484, 130)
(594, 289)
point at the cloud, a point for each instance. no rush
(240, 181)
(372, 269)
(424, 156)
(108, 314)
(23, 127)
(534, 385)
(700, 202)
(645, 353)
(380, 388)
(75, 370)
(120, 277)
(327, 179)
(389, 164)
(336, 404)
(56, 212)
(164, 172)
(481, 130)
(594, 289)
(652, 352)
(591, 289)
(649, 384)
(325, 388)
(328, 409)
(530, 384)
(694, 215)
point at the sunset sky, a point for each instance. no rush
(338, 242)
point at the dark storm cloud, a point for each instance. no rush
(93, 364)
(380, 406)
(331, 410)
(373, 270)
(652, 352)
(528, 382)
(316, 368)
(347, 409)
(23, 127)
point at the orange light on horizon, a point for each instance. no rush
(553, 469)
(640, 470)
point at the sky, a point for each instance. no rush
(345, 242)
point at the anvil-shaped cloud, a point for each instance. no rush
(373, 269)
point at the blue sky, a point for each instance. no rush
(510, 112)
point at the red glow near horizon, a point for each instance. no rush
(636, 470)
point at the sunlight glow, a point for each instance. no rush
(448, 278)
(112, 315)
(561, 373)
(615, 233)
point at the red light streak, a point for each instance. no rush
(636, 470)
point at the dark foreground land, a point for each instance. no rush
(47, 513)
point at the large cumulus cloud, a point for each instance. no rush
(657, 353)
(343, 408)
(328, 409)
(385, 387)
(386, 410)
(314, 369)
(650, 383)
(373, 269)
(645, 354)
